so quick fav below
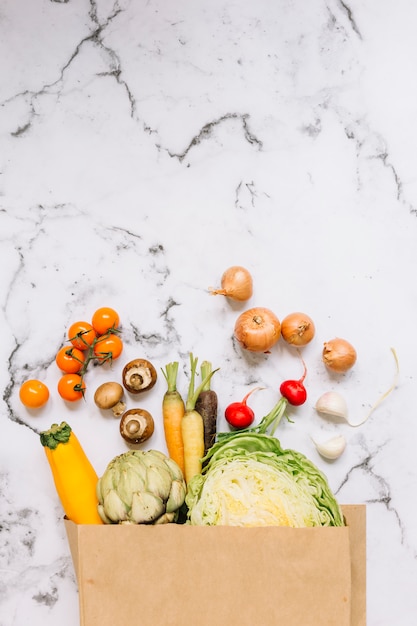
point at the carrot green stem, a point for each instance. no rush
(206, 369)
(170, 373)
(192, 392)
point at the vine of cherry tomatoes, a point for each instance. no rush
(98, 340)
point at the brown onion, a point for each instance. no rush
(236, 283)
(257, 329)
(297, 329)
(339, 355)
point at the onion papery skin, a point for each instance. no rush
(297, 329)
(339, 355)
(236, 284)
(257, 329)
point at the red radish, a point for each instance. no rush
(294, 391)
(239, 414)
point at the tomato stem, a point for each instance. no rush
(101, 358)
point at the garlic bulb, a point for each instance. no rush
(332, 448)
(333, 404)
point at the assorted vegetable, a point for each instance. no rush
(173, 409)
(33, 394)
(332, 404)
(137, 426)
(294, 391)
(192, 425)
(206, 405)
(297, 329)
(239, 414)
(104, 320)
(82, 335)
(110, 396)
(241, 477)
(139, 375)
(140, 487)
(107, 348)
(70, 360)
(339, 355)
(74, 476)
(71, 387)
(97, 342)
(331, 448)
(236, 284)
(248, 479)
(257, 329)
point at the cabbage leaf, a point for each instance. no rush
(248, 479)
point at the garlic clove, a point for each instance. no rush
(332, 448)
(333, 404)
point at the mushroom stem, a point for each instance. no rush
(119, 409)
(136, 381)
(139, 375)
(133, 427)
(136, 426)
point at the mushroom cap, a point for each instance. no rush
(108, 395)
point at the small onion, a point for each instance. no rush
(297, 329)
(236, 284)
(257, 329)
(339, 355)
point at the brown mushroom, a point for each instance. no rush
(136, 425)
(109, 396)
(139, 375)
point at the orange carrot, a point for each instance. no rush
(173, 410)
(192, 426)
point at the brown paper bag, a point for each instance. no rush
(175, 575)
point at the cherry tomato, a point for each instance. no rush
(69, 359)
(104, 319)
(108, 348)
(81, 335)
(71, 387)
(33, 394)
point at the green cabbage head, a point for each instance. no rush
(249, 480)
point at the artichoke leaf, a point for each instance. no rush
(167, 518)
(176, 496)
(146, 508)
(158, 481)
(174, 469)
(114, 508)
(129, 483)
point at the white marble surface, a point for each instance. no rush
(145, 147)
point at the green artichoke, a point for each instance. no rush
(141, 487)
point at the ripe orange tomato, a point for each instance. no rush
(108, 348)
(104, 319)
(69, 359)
(71, 387)
(81, 335)
(33, 394)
